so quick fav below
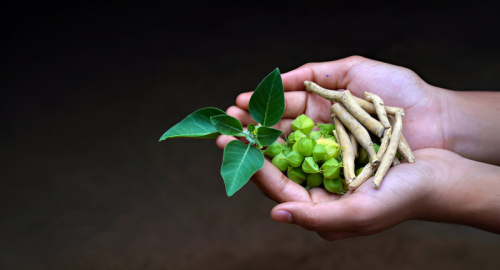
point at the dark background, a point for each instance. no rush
(87, 91)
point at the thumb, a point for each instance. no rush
(335, 215)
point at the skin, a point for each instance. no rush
(453, 135)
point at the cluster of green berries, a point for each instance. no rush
(310, 157)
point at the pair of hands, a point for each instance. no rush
(409, 191)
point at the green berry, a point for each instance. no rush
(294, 158)
(273, 149)
(315, 135)
(310, 166)
(303, 123)
(326, 129)
(331, 147)
(279, 161)
(314, 179)
(334, 185)
(331, 169)
(319, 153)
(286, 149)
(305, 146)
(296, 175)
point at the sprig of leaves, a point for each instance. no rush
(240, 161)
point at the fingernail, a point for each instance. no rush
(282, 216)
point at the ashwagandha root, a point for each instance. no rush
(346, 149)
(334, 96)
(361, 115)
(354, 145)
(370, 169)
(335, 135)
(390, 153)
(356, 129)
(379, 108)
(403, 147)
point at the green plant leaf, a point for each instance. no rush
(266, 136)
(227, 125)
(239, 163)
(196, 125)
(251, 127)
(267, 103)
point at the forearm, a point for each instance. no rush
(471, 198)
(472, 125)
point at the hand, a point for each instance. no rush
(426, 189)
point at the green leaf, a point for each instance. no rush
(240, 162)
(227, 125)
(266, 136)
(267, 103)
(196, 125)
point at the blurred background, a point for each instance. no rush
(87, 92)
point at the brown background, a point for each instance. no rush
(87, 92)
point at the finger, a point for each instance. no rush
(331, 75)
(242, 115)
(275, 185)
(295, 103)
(336, 215)
(222, 140)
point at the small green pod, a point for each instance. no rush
(319, 153)
(286, 149)
(334, 185)
(315, 135)
(376, 147)
(314, 179)
(331, 169)
(273, 149)
(305, 146)
(326, 129)
(332, 148)
(303, 123)
(310, 166)
(296, 136)
(295, 159)
(363, 157)
(296, 175)
(279, 161)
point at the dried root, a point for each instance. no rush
(354, 145)
(403, 147)
(379, 108)
(347, 151)
(390, 153)
(335, 97)
(361, 115)
(356, 129)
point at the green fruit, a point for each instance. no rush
(279, 161)
(319, 153)
(294, 159)
(296, 136)
(331, 169)
(303, 123)
(273, 149)
(334, 185)
(315, 135)
(326, 129)
(363, 157)
(305, 146)
(314, 179)
(331, 147)
(376, 147)
(296, 175)
(286, 149)
(310, 166)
